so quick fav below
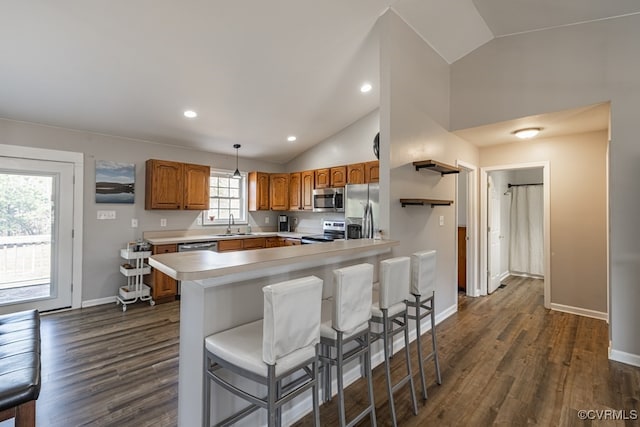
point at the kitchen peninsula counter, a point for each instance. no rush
(224, 290)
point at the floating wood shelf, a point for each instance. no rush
(444, 169)
(422, 202)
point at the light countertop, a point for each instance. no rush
(198, 265)
(209, 237)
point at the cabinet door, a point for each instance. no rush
(230, 245)
(295, 202)
(272, 242)
(256, 243)
(322, 178)
(307, 179)
(258, 191)
(292, 242)
(355, 173)
(339, 176)
(279, 188)
(163, 185)
(372, 171)
(163, 286)
(196, 187)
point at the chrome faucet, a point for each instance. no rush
(232, 220)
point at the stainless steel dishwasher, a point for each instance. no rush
(196, 246)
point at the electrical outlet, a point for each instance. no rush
(163, 222)
(134, 223)
(199, 220)
(266, 220)
(441, 220)
(106, 214)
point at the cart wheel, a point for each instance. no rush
(124, 307)
(152, 303)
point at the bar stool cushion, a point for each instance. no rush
(394, 282)
(291, 317)
(242, 346)
(326, 328)
(423, 272)
(352, 296)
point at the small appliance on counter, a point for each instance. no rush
(283, 223)
(331, 230)
(354, 231)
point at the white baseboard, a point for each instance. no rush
(621, 356)
(99, 301)
(580, 311)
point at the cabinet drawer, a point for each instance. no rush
(165, 249)
(230, 245)
(272, 242)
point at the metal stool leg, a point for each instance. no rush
(434, 343)
(387, 367)
(408, 361)
(367, 363)
(340, 367)
(419, 345)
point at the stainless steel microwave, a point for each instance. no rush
(328, 200)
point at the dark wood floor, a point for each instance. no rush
(505, 361)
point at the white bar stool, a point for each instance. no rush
(267, 351)
(345, 320)
(423, 285)
(389, 310)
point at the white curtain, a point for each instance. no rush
(526, 237)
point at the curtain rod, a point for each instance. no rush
(521, 185)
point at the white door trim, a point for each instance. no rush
(547, 227)
(473, 286)
(77, 159)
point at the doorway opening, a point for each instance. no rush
(515, 236)
(38, 215)
(467, 229)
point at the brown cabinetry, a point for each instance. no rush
(322, 178)
(273, 242)
(230, 245)
(163, 287)
(257, 243)
(279, 191)
(307, 184)
(355, 174)
(258, 191)
(372, 171)
(338, 176)
(174, 185)
(292, 242)
(295, 191)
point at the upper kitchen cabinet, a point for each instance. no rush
(307, 184)
(295, 191)
(339, 176)
(258, 191)
(279, 191)
(174, 185)
(372, 171)
(355, 174)
(322, 178)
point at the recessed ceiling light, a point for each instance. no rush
(291, 138)
(526, 133)
(366, 87)
(190, 114)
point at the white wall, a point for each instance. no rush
(414, 114)
(564, 68)
(103, 239)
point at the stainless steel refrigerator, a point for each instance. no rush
(361, 210)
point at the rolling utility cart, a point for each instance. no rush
(134, 270)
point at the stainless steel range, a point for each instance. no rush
(331, 230)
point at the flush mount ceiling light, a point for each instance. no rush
(366, 87)
(190, 114)
(526, 133)
(291, 138)
(236, 174)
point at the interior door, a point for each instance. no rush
(493, 218)
(36, 242)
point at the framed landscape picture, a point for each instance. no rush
(115, 182)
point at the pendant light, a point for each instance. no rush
(236, 174)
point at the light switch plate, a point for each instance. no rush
(163, 222)
(266, 220)
(441, 220)
(134, 223)
(106, 214)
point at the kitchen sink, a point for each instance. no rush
(231, 234)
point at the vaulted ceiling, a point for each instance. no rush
(255, 72)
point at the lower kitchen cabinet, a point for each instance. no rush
(230, 245)
(273, 242)
(164, 288)
(292, 242)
